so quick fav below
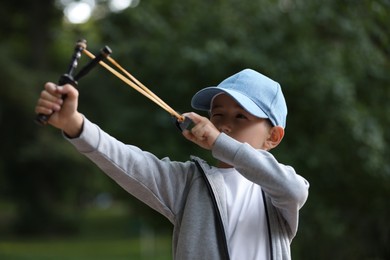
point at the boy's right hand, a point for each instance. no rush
(204, 133)
(64, 114)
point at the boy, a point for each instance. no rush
(245, 208)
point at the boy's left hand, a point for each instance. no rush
(204, 133)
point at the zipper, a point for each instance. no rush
(218, 213)
(268, 225)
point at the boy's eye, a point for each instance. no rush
(241, 116)
(216, 115)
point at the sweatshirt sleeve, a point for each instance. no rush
(288, 190)
(159, 183)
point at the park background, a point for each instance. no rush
(331, 57)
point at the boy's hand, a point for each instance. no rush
(64, 114)
(204, 133)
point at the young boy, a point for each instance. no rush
(246, 207)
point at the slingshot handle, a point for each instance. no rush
(184, 125)
(66, 78)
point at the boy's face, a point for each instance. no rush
(230, 118)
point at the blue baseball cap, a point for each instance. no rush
(256, 93)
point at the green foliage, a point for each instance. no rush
(331, 58)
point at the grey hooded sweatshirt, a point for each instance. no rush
(178, 190)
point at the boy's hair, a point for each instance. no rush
(256, 93)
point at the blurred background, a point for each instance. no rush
(332, 59)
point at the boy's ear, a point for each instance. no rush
(276, 135)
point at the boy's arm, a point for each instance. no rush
(138, 172)
(159, 183)
(288, 191)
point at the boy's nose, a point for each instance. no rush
(224, 127)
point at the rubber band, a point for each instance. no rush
(135, 84)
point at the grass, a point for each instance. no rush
(105, 234)
(62, 249)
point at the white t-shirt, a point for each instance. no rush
(247, 232)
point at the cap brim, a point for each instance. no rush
(202, 100)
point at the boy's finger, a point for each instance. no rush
(188, 135)
(43, 110)
(194, 117)
(45, 95)
(49, 105)
(51, 88)
(67, 90)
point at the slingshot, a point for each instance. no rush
(81, 47)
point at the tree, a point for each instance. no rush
(332, 60)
